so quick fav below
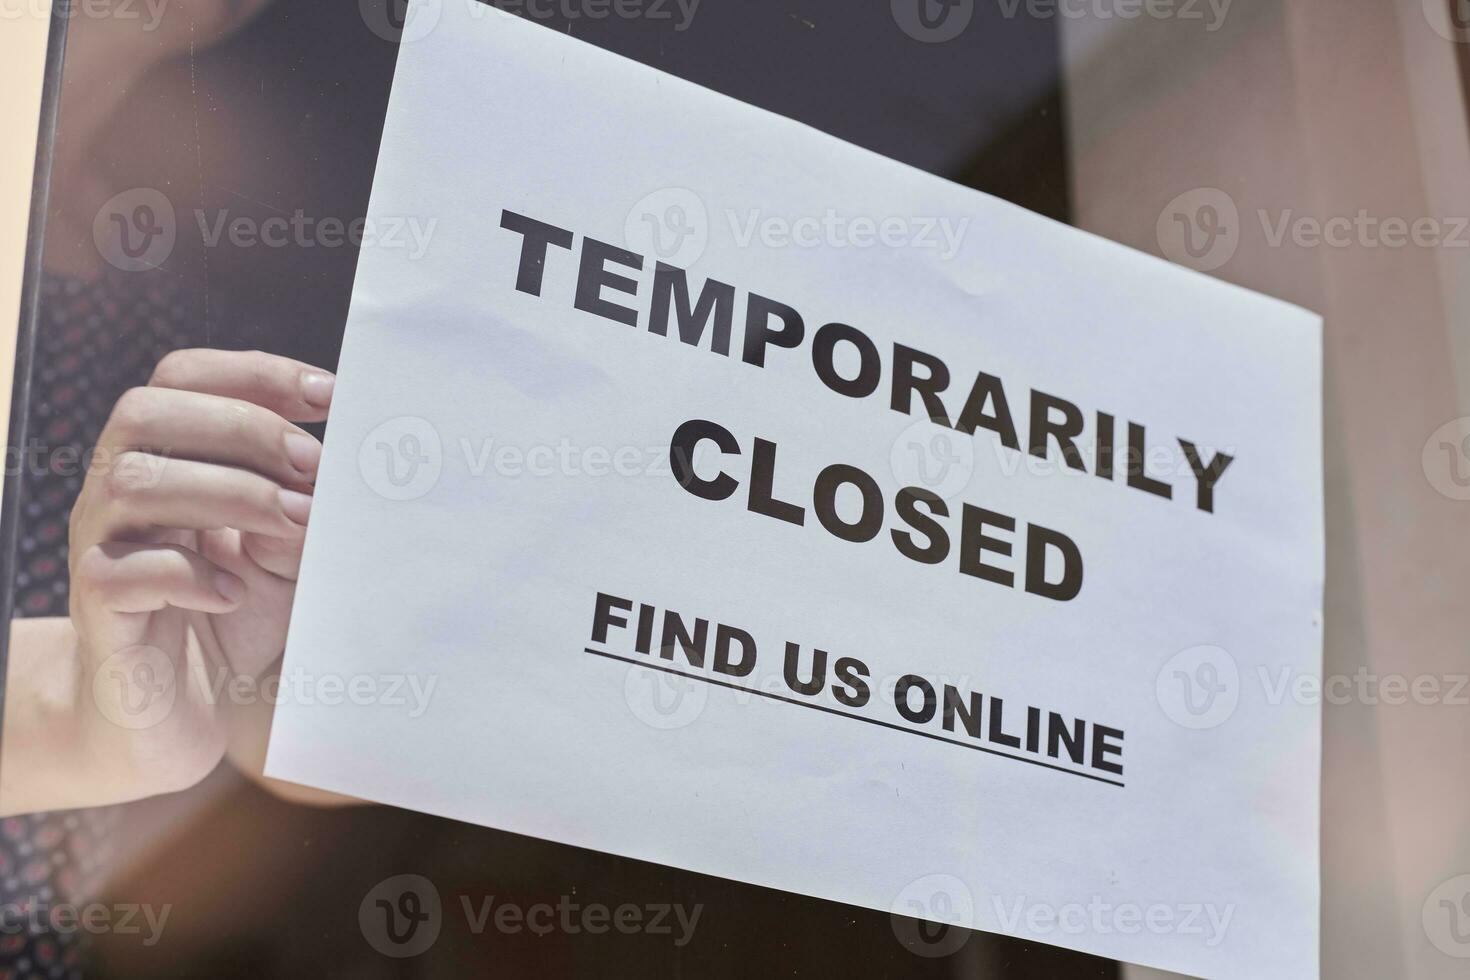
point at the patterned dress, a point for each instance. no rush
(95, 340)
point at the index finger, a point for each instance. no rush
(293, 390)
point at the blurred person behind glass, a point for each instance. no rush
(173, 552)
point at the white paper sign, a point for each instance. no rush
(678, 393)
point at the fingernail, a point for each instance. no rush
(316, 388)
(304, 452)
(296, 505)
(230, 588)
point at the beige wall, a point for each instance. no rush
(22, 54)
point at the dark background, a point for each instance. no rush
(289, 113)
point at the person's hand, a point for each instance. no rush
(185, 547)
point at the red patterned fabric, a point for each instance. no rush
(94, 341)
